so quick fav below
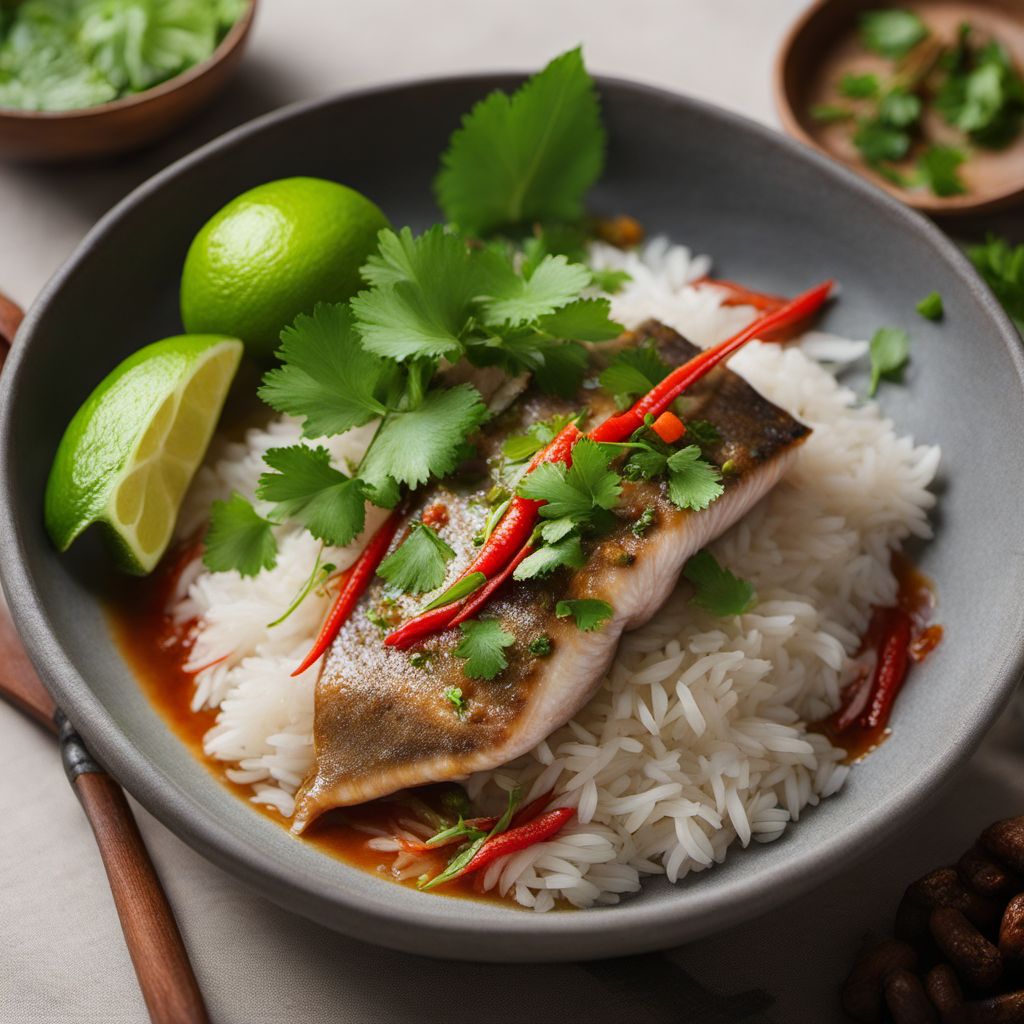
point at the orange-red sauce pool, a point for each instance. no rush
(156, 650)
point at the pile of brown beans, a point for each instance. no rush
(958, 952)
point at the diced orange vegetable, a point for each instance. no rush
(669, 427)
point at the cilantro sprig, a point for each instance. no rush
(589, 614)
(418, 563)
(239, 538)
(483, 648)
(716, 589)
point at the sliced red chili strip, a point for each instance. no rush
(739, 295)
(354, 582)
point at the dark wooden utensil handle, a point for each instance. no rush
(158, 953)
(168, 984)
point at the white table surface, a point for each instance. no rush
(62, 958)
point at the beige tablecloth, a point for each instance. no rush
(62, 958)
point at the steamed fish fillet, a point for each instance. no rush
(382, 722)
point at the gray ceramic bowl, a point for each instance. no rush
(775, 215)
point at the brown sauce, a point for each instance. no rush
(916, 597)
(156, 649)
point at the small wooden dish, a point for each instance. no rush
(126, 123)
(823, 45)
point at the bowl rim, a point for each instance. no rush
(925, 202)
(632, 926)
(232, 38)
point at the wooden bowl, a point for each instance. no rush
(823, 45)
(126, 123)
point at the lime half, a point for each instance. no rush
(131, 451)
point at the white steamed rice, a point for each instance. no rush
(697, 738)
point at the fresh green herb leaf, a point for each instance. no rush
(1002, 266)
(418, 563)
(377, 618)
(892, 33)
(983, 95)
(939, 170)
(511, 298)
(483, 648)
(588, 613)
(890, 350)
(644, 522)
(634, 372)
(878, 141)
(930, 307)
(306, 487)
(611, 281)
(527, 157)
(859, 87)
(899, 109)
(328, 379)
(555, 529)
(540, 646)
(831, 113)
(458, 590)
(693, 482)
(538, 435)
(702, 432)
(420, 659)
(581, 320)
(718, 591)
(588, 485)
(239, 538)
(493, 518)
(543, 561)
(454, 696)
(425, 440)
(421, 297)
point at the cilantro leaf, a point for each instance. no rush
(645, 463)
(1002, 267)
(421, 296)
(578, 491)
(308, 488)
(702, 432)
(890, 350)
(717, 590)
(939, 170)
(418, 563)
(930, 307)
(453, 694)
(582, 320)
(611, 281)
(634, 372)
(900, 109)
(561, 367)
(511, 298)
(892, 33)
(426, 440)
(328, 378)
(483, 648)
(644, 522)
(238, 538)
(589, 614)
(520, 447)
(829, 113)
(527, 157)
(878, 141)
(546, 559)
(540, 646)
(859, 87)
(693, 483)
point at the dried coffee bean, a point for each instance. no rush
(1004, 1009)
(1005, 841)
(986, 876)
(906, 999)
(944, 991)
(862, 990)
(1011, 929)
(972, 956)
(943, 888)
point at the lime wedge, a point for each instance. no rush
(131, 451)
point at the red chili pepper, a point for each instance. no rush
(354, 582)
(531, 810)
(510, 535)
(480, 597)
(669, 427)
(516, 839)
(890, 669)
(738, 295)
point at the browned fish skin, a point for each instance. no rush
(382, 722)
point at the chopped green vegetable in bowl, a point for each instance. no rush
(71, 54)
